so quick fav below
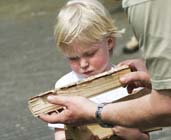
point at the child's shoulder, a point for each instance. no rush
(68, 79)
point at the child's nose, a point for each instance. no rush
(83, 63)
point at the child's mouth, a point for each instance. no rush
(88, 73)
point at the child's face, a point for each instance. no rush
(88, 60)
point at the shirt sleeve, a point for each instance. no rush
(56, 125)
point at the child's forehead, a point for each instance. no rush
(86, 45)
(83, 46)
(79, 48)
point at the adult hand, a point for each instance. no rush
(138, 78)
(135, 64)
(130, 133)
(78, 110)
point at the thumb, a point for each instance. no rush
(57, 99)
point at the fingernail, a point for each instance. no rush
(122, 79)
(50, 97)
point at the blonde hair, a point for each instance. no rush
(85, 21)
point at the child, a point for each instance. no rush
(85, 34)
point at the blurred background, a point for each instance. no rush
(30, 62)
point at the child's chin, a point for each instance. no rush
(88, 75)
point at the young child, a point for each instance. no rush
(85, 34)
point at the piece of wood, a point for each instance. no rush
(88, 87)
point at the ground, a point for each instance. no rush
(30, 63)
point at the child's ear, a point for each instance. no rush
(111, 43)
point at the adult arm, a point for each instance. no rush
(152, 110)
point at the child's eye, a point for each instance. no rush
(90, 53)
(73, 58)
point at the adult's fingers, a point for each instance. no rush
(135, 76)
(131, 65)
(57, 99)
(53, 118)
(134, 64)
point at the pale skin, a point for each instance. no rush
(90, 61)
(152, 110)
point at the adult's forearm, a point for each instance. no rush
(152, 110)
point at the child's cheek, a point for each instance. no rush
(100, 64)
(74, 66)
